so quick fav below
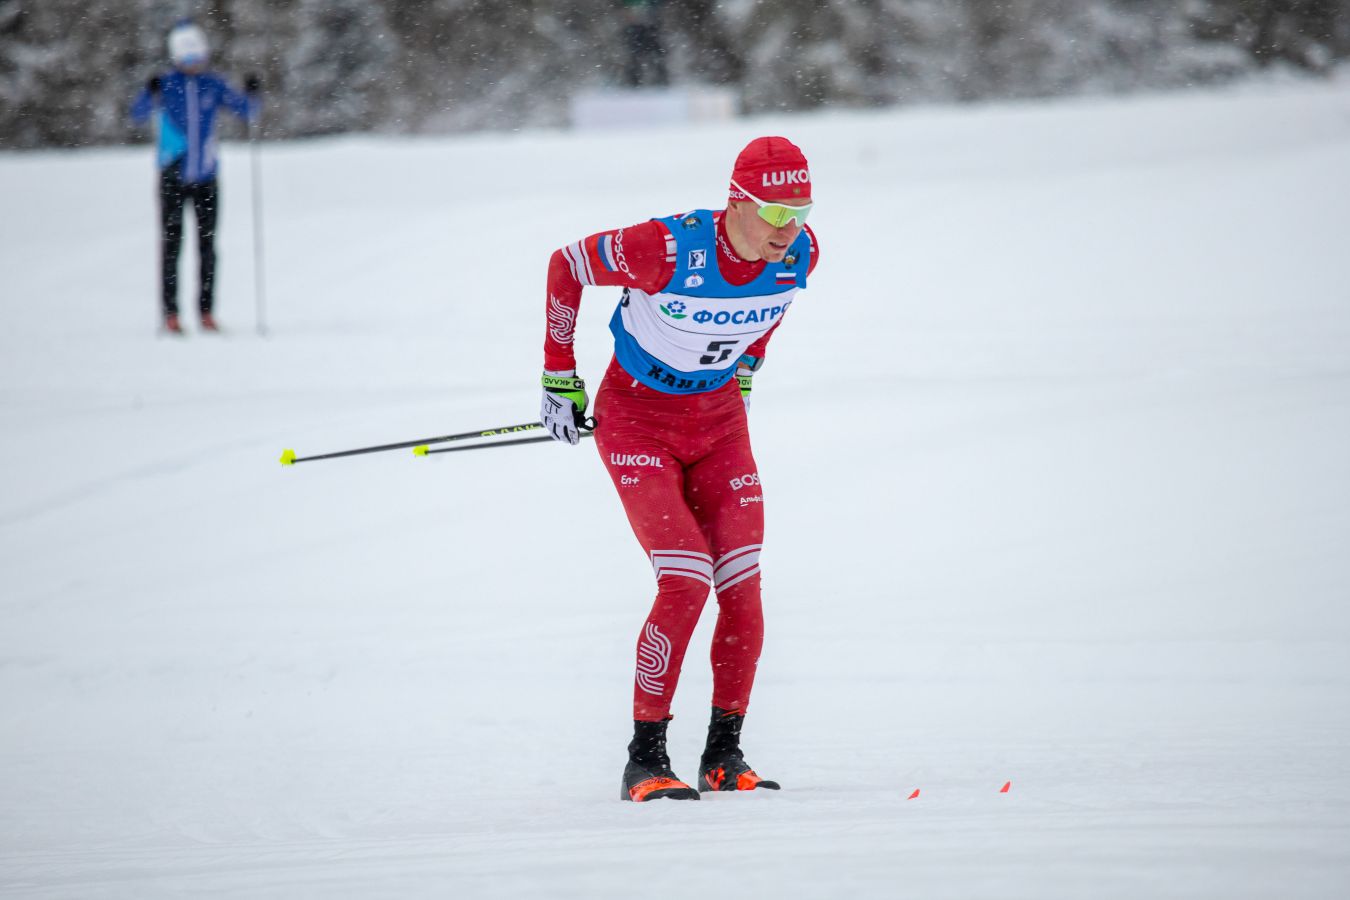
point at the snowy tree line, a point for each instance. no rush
(69, 67)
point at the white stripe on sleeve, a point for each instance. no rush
(581, 265)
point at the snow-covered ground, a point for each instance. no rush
(1057, 455)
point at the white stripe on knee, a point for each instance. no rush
(688, 563)
(736, 566)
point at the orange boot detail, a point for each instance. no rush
(648, 775)
(723, 767)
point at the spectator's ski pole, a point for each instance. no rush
(288, 457)
(259, 285)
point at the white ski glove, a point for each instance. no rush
(562, 409)
(746, 367)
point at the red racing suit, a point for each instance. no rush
(672, 428)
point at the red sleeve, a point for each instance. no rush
(641, 256)
(759, 347)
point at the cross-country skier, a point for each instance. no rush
(703, 293)
(187, 99)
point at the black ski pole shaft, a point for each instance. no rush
(424, 451)
(288, 457)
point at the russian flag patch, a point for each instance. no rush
(786, 278)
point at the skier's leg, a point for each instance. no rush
(723, 491)
(650, 483)
(206, 207)
(171, 237)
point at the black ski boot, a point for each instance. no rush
(723, 766)
(647, 775)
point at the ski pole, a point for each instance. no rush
(425, 451)
(288, 457)
(259, 285)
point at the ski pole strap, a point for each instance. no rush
(744, 381)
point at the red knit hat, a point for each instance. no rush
(772, 168)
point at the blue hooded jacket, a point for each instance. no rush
(187, 107)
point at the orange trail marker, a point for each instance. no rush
(913, 795)
(1004, 789)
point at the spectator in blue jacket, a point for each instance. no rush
(186, 100)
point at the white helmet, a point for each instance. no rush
(187, 45)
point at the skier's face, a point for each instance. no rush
(194, 66)
(753, 238)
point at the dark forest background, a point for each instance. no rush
(68, 69)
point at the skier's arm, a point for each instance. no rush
(245, 106)
(641, 256)
(753, 357)
(144, 104)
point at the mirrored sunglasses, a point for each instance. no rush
(777, 214)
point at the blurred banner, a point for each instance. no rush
(619, 108)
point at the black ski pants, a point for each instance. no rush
(173, 196)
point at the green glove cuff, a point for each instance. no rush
(568, 386)
(745, 384)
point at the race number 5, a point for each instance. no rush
(719, 351)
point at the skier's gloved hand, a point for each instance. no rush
(745, 378)
(153, 85)
(252, 83)
(746, 367)
(563, 408)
